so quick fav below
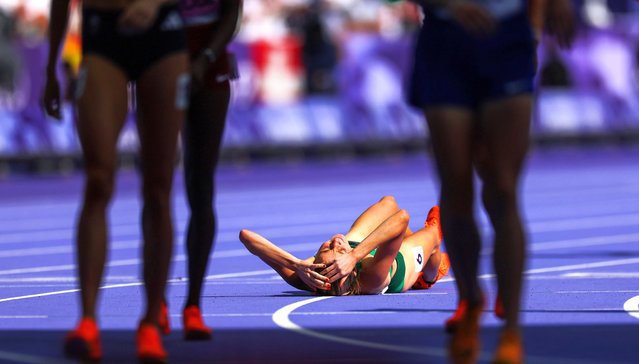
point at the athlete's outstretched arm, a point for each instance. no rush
(296, 272)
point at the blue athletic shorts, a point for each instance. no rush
(453, 67)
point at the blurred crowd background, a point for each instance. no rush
(332, 73)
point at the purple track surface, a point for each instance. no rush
(581, 305)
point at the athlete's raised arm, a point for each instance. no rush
(386, 238)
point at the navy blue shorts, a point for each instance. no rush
(455, 68)
(134, 53)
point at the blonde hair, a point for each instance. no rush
(350, 286)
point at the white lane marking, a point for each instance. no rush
(240, 274)
(291, 231)
(589, 241)
(232, 253)
(316, 313)
(582, 223)
(281, 319)
(23, 317)
(64, 249)
(602, 291)
(605, 263)
(133, 284)
(63, 279)
(631, 306)
(30, 359)
(602, 275)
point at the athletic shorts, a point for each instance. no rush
(224, 68)
(133, 52)
(453, 67)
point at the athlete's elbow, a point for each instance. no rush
(244, 237)
(402, 219)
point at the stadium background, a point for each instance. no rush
(329, 76)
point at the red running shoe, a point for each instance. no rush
(163, 321)
(149, 344)
(433, 220)
(500, 312)
(452, 322)
(194, 326)
(83, 343)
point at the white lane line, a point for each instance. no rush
(231, 253)
(281, 319)
(133, 284)
(309, 225)
(135, 244)
(602, 275)
(23, 317)
(602, 291)
(631, 306)
(589, 241)
(584, 223)
(317, 313)
(64, 249)
(63, 279)
(30, 359)
(606, 263)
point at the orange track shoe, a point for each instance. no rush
(464, 345)
(444, 266)
(163, 320)
(510, 349)
(451, 323)
(194, 326)
(433, 220)
(149, 342)
(83, 343)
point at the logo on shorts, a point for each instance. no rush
(93, 24)
(517, 87)
(420, 259)
(172, 22)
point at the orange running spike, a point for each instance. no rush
(194, 326)
(149, 344)
(83, 343)
(433, 220)
(464, 345)
(451, 324)
(510, 349)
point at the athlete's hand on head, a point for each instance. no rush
(138, 16)
(306, 272)
(342, 266)
(51, 96)
(473, 17)
(560, 21)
